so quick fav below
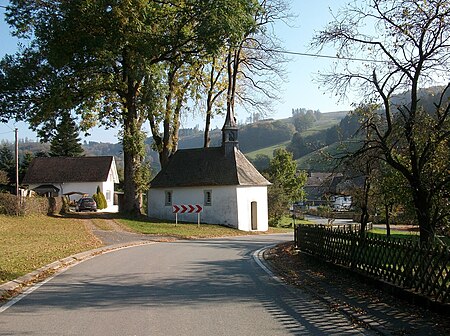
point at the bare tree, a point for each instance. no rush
(255, 63)
(249, 68)
(402, 46)
(212, 85)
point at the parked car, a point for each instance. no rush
(86, 204)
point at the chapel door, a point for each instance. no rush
(254, 215)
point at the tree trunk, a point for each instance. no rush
(171, 123)
(207, 139)
(164, 156)
(132, 160)
(132, 142)
(209, 103)
(131, 200)
(210, 100)
(426, 227)
(365, 204)
(388, 217)
(423, 207)
(364, 220)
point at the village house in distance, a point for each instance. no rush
(73, 177)
(219, 179)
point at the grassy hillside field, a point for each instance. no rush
(326, 121)
(325, 159)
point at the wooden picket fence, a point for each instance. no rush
(424, 270)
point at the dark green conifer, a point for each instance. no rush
(7, 163)
(65, 141)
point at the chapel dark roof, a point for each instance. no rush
(68, 169)
(207, 167)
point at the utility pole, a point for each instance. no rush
(16, 131)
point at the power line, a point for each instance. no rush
(297, 53)
(330, 57)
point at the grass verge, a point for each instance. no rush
(288, 222)
(30, 242)
(187, 230)
(395, 233)
(413, 235)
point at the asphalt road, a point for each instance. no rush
(207, 287)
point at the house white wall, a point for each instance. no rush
(341, 202)
(89, 188)
(230, 205)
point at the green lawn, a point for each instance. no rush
(414, 235)
(188, 231)
(288, 222)
(28, 243)
(395, 233)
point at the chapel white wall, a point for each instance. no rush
(231, 205)
(247, 195)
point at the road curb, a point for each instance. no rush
(17, 286)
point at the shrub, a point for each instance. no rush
(325, 211)
(274, 222)
(96, 199)
(8, 204)
(28, 205)
(100, 199)
(55, 205)
(37, 205)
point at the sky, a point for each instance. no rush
(299, 90)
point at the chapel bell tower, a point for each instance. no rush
(230, 134)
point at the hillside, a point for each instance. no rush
(326, 159)
(313, 137)
(259, 138)
(326, 121)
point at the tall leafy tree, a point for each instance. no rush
(64, 140)
(287, 183)
(179, 80)
(298, 146)
(361, 170)
(105, 61)
(405, 45)
(390, 192)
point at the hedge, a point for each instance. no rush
(29, 205)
